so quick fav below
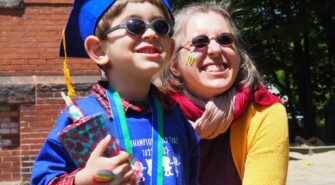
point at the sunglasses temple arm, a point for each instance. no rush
(111, 30)
(183, 46)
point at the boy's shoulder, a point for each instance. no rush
(89, 105)
(89, 99)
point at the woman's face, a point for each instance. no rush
(216, 66)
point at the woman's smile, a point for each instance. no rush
(213, 67)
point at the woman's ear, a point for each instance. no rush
(174, 68)
(94, 49)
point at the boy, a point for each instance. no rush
(130, 41)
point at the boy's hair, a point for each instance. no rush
(106, 20)
(248, 76)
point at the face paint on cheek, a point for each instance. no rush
(190, 59)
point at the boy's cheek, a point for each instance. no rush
(172, 47)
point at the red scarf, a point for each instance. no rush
(243, 96)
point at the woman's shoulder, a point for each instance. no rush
(255, 110)
(259, 113)
(257, 118)
(270, 119)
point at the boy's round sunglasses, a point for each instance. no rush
(137, 26)
(201, 41)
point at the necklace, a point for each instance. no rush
(120, 122)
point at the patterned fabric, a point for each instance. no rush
(64, 179)
(100, 93)
(82, 137)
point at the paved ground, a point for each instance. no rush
(304, 169)
(314, 169)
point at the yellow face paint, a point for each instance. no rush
(190, 59)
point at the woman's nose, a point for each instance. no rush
(214, 48)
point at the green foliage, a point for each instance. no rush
(293, 43)
(280, 75)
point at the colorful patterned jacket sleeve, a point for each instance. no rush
(64, 179)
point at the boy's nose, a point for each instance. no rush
(150, 34)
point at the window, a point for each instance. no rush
(9, 126)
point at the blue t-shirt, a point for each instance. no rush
(180, 147)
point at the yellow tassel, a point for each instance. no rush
(70, 90)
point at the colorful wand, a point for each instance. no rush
(73, 110)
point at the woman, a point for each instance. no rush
(243, 127)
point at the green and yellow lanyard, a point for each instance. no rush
(124, 136)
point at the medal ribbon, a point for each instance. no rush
(120, 122)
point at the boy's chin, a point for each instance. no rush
(157, 64)
(152, 70)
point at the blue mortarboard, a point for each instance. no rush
(83, 19)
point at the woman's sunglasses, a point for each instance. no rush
(137, 26)
(201, 41)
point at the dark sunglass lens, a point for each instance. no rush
(161, 27)
(135, 26)
(200, 41)
(225, 38)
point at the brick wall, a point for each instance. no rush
(27, 114)
(30, 39)
(38, 119)
(31, 80)
(9, 139)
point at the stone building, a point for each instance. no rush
(31, 79)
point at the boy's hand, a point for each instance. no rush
(102, 170)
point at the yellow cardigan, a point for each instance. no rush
(259, 145)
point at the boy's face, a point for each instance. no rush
(137, 56)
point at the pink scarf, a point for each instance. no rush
(219, 112)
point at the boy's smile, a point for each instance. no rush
(149, 51)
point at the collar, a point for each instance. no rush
(100, 93)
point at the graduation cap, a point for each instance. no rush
(82, 22)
